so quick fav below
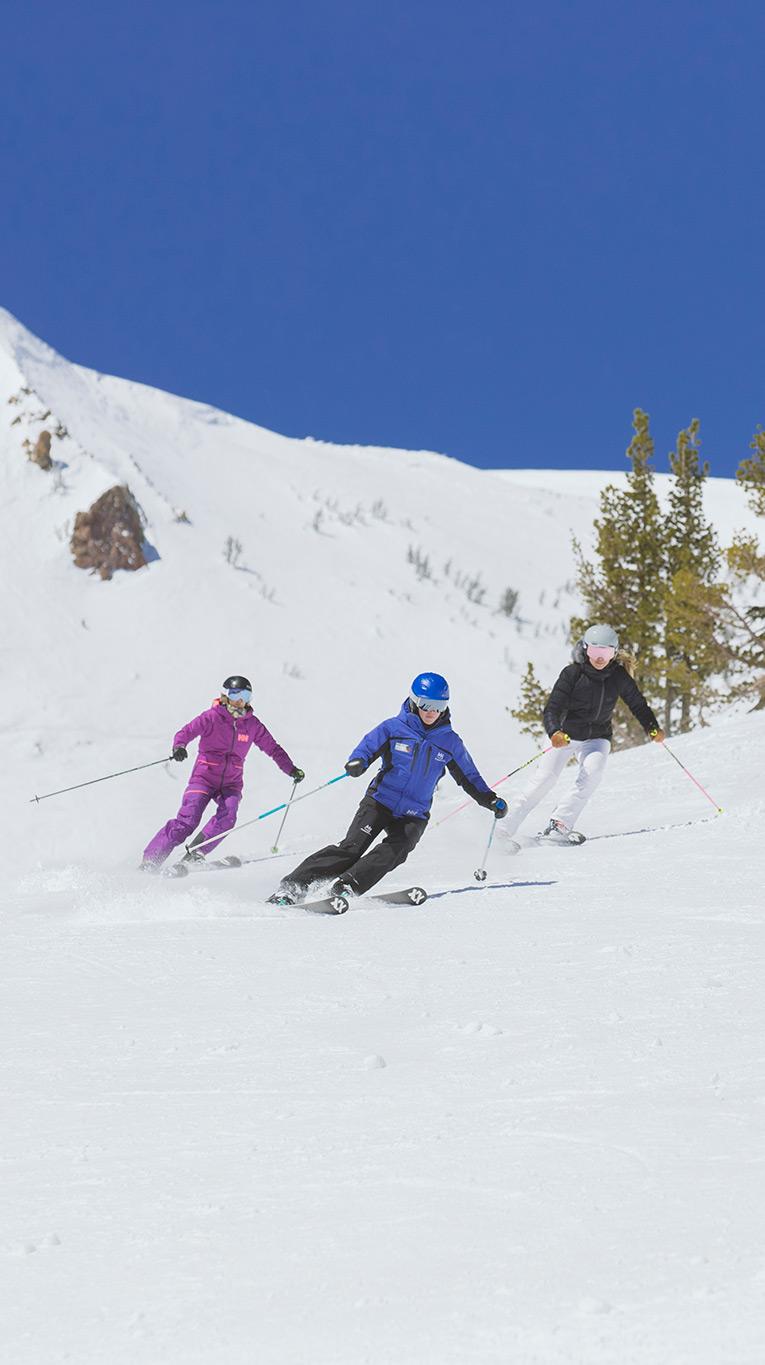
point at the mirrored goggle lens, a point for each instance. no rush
(429, 704)
(242, 694)
(601, 651)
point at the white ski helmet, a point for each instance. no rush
(601, 635)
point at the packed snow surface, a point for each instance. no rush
(521, 1123)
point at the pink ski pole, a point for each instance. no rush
(719, 809)
(541, 754)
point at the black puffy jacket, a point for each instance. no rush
(583, 699)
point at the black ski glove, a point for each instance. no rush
(499, 806)
(179, 753)
(297, 774)
(355, 767)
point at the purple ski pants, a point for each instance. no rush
(177, 831)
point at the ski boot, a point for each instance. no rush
(192, 855)
(344, 886)
(558, 833)
(286, 895)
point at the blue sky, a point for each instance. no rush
(488, 229)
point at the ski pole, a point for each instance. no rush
(480, 872)
(217, 838)
(533, 759)
(719, 809)
(275, 845)
(94, 780)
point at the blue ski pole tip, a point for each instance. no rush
(480, 874)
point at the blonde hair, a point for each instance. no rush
(627, 660)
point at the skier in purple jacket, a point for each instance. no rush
(226, 734)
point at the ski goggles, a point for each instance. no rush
(430, 704)
(239, 694)
(600, 652)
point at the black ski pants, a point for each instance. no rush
(350, 856)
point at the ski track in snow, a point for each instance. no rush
(522, 1122)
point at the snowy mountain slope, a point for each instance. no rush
(560, 1160)
(324, 610)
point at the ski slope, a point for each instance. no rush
(520, 1123)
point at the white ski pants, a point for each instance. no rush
(590, 755)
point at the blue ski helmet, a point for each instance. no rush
(430, 691)
(604, 636)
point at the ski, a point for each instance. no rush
(413, 895)
(338, 905)
(573, 840)
(175, 870)
(331, 905)
(183, 868)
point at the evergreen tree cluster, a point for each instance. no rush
(746, 624)
(656, 578)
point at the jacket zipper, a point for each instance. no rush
(403, 797)
(230, 752)
(600, 706)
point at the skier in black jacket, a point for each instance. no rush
(577, 718)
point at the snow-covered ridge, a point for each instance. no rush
(349, 570)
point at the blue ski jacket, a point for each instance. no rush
(414, 757)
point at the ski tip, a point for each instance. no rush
(417, 895)
(334, 905)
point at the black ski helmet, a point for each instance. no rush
(236, 683)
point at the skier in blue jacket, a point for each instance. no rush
(416, 747)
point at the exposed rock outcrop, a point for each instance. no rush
(110, 535)
(40, 451)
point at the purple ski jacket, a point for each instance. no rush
(224, 743)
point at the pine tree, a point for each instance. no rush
(625, 587)
(751, 473)
(531, 705)
(693, 597)
(747, 564)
